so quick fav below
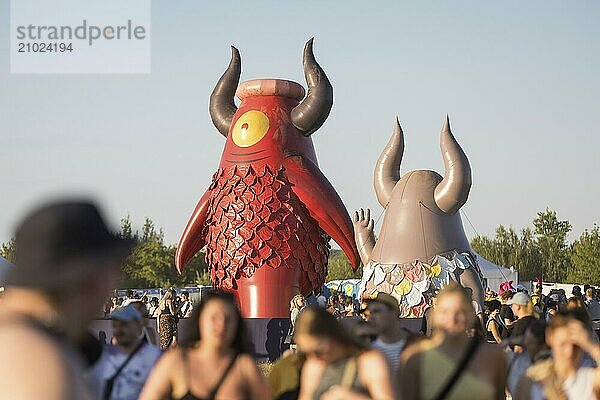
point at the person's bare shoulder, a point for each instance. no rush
(247, 364)
(413, 350)
(312, 369)
(28, 357)
(371, 358)
(171, 357)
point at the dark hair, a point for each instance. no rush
(141, 307)
(185, 293)
(494, 305)
(562, 318)
(575, 302)
(129, 293)
(551, 304)
(315, 321)
(192, 335)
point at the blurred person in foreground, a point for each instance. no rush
(534, 343)
(450, 364)
(67, 261)
(392, 338)
(426, 321)
(337, 366)
(564, 376)
(212, 362)
(123, 368)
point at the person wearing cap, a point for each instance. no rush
(123, 368)
(522, 308)
(66, 263)
(384, 315)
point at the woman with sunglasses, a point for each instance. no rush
(337, 366)
(213, 362)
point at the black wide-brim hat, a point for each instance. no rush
(63, 242)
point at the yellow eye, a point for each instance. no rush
(250, 128)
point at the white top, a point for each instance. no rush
(130, 381)
(580, 385)
(128, 301)
(186, 309)
(391, 351)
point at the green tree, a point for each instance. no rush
(339, 267)
(585, 258)
(8, 250)
(152, 262)
(551, 238)
(542, 252)
(126, 229)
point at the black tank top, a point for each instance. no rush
(211, 396)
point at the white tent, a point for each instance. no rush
(5, 265)
(495, 274)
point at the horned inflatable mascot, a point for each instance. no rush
(267, 217)
(422, 244)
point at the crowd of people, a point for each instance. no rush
(167, 311)
(518, 345)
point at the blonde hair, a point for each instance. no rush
(530, 309)
(169, 295)
(454, 288)
(294, 301)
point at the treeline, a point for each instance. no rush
(542, 250)
(152, 262)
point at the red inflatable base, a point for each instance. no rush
(268, 292)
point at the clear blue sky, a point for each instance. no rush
(520, 81)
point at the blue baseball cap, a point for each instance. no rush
(127, 313)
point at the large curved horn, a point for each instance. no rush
(311, 113)
(387, 169)
(222, 106)
(452, 192)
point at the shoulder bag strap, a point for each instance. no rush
(214, 391)
(109, 384)
(349, 374)
(460, 368)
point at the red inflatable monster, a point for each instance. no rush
(269, 213)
